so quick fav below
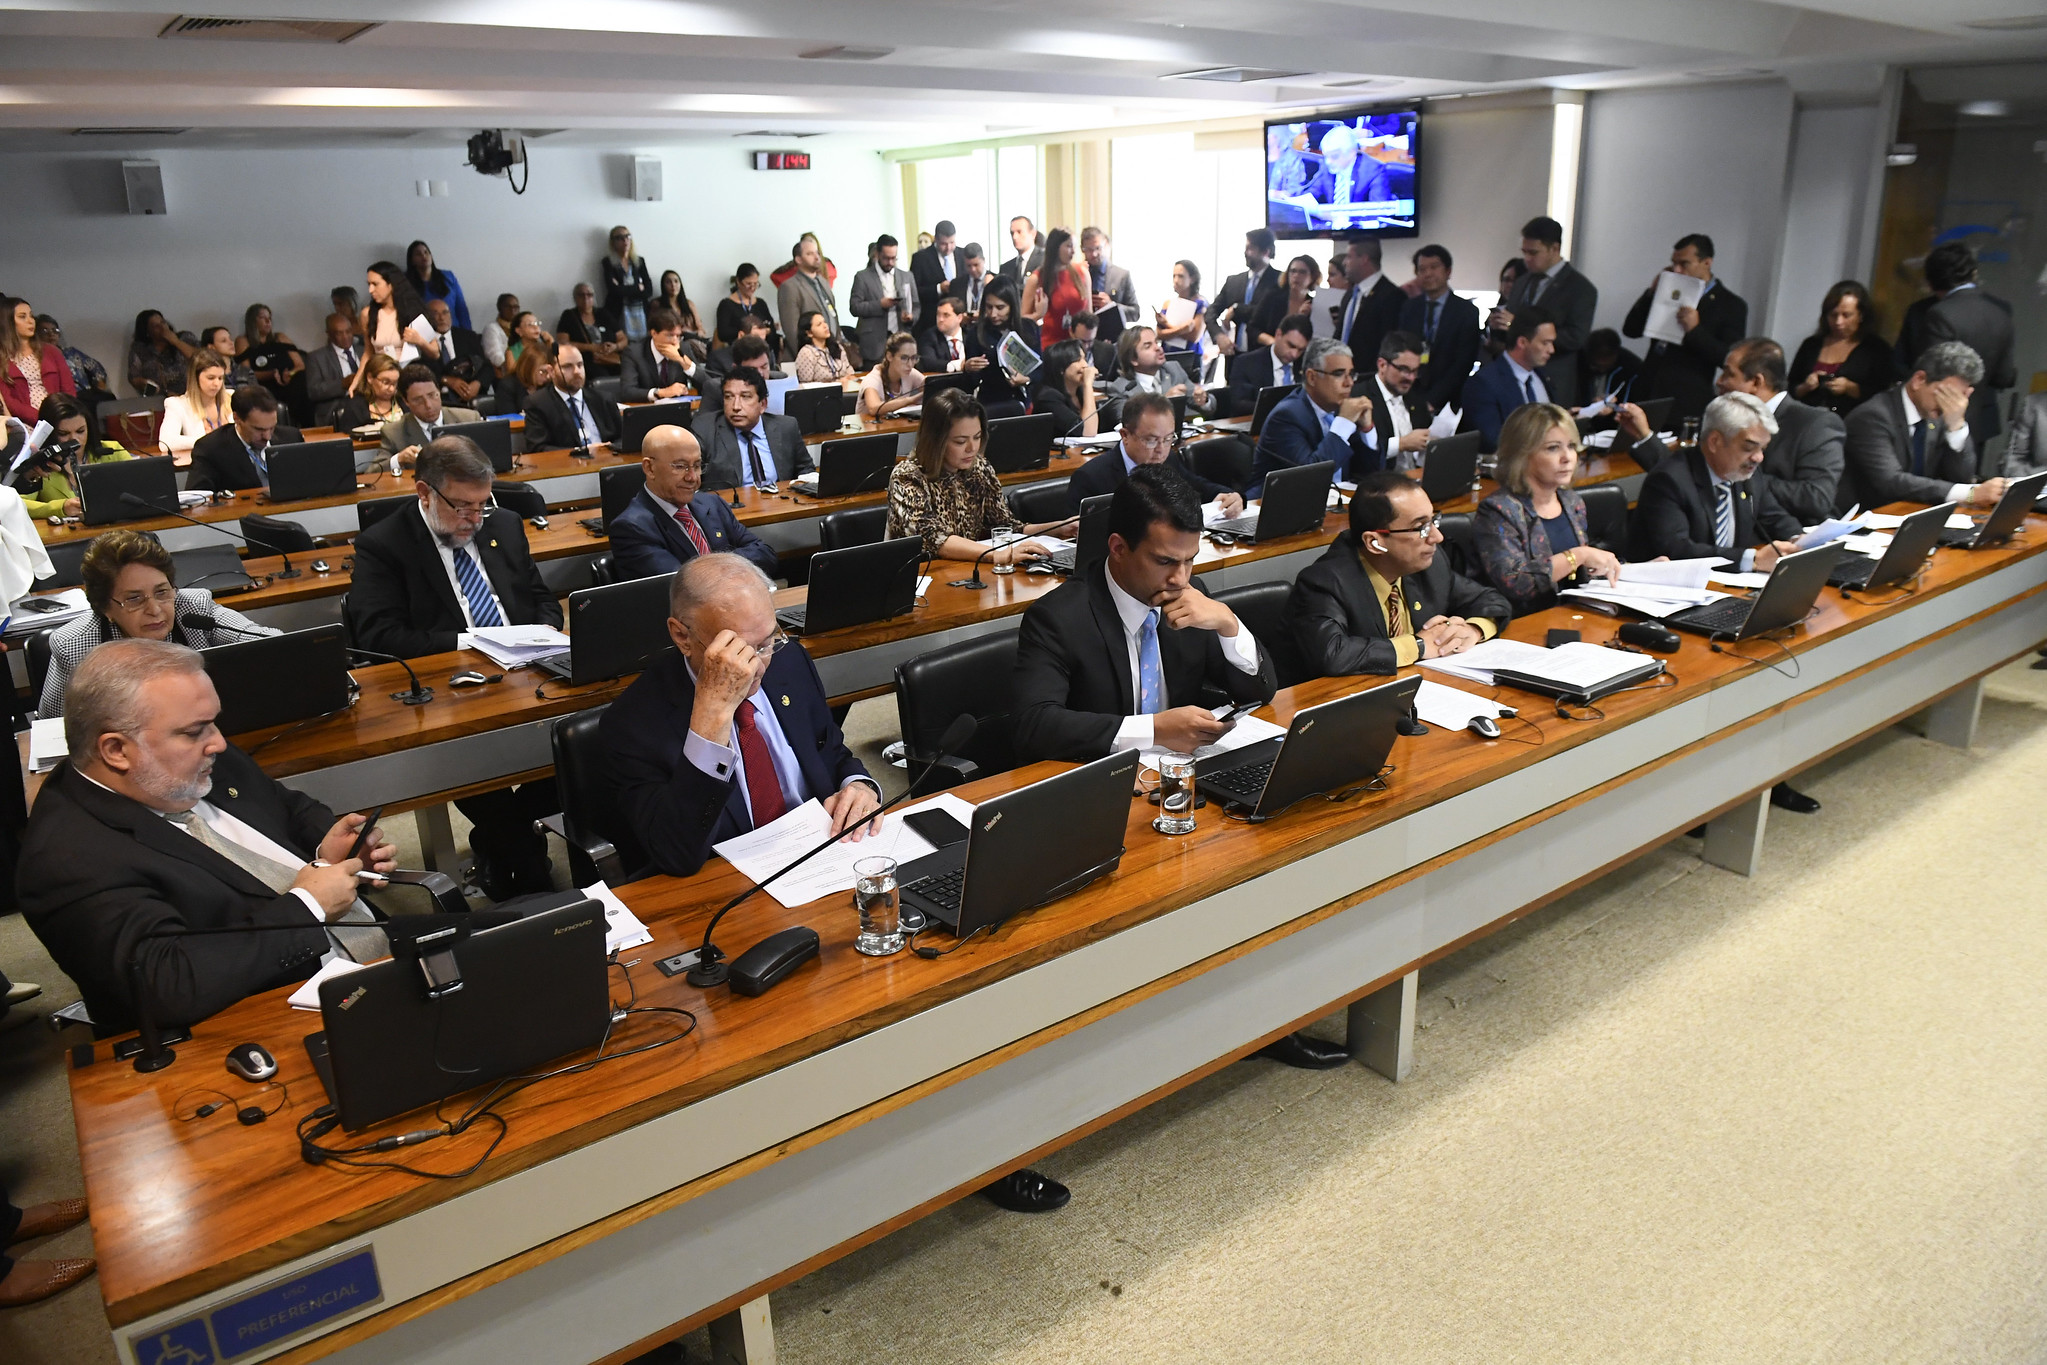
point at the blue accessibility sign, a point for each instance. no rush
(186, 1344)
(266, 1317)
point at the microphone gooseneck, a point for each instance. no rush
(711, 967)
(134, 500)
(418, 696)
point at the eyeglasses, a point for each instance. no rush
(1149, 442)
(1409, 370)
(1341, 376)
(1434, 523)
(136, 601)
(466, 509)
(779, 640)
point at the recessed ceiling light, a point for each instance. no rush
(1728, 73)
(1901, 154)
(846, 54)
(1984, 108)
(1231, 75)
(1362, 83)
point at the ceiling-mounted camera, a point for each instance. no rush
(494, 151)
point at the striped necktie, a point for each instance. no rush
(692, 530)
(483, 610)
(1723, 514)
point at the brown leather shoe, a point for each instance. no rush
(46, 1220)
(33, 1281)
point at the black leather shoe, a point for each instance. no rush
(493, 876)
(1785, 797)
(1027, 1192)
(1310, 1054)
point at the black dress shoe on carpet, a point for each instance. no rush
(1310, 1054)
(1027, 1192)
(1785, 797)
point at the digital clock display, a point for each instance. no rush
(781, 161)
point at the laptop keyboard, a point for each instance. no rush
(558, 663)
(943, 889)
(792, 618)
(1238, 526)
(1247, 781)
(1959, 538)
(1727, 615)
(1853, 572)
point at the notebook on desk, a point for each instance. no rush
(857, 585)
(1294, 500)
(614, 630)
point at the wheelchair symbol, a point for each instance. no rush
(185, 1344)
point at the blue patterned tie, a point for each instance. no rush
(582, 415)
(1151, 681)
(258, 456)
(1528, 387)
(482, 610)
(1723, 514)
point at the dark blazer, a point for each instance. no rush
(1105, 474)
(1452, 353)
(1339, 627)
(467, 346)
(1805, 459)
(721, 448)
(2026, 452)
(1377, 315)
(1878, 458)
(1490, 397)
(1982, 322)
(646, 541)
(98, 871)
(1382, 419)
(1369, 181)
(1685, 371)
(1869, 366)
(221, 463)
(402, 602)
(1016, 267)
(934, 354)
(1571, 300)
(1674, 513)
(1073, 671)
(1271, 284)
(676, 811)
(1514, 546)
(640, 370)
(929, 275)
(550, 427)
(1293, 435)
(1251, 372)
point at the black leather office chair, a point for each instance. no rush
(1222, 459)
(275, 535)
(65, 559)
(601, 573)
(600, 844)
(933, 690)
(607, 387)
(1606, 514)
(1038, 502)
(857, 526)
(38, 665)
(370, 511)
(1460, 539)
(1259, 607)
(522, 498)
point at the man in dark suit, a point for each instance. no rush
(744, 443)
(330, 367)
(427, 575)
(1347, 176)
(565, 415)
(1399, 441)
(1685, 371)
(1449, 328)
(933, 270)
(657, 366)
(1511, 378)
(1961, 311)
(1555, 285)
(1913, 442)
(1371, 307)
(1147, 432)
(1030, 252)
(1319, 421)
(671, 521)
(1381, 597)
(720, 361)
(1244, 294)
(949, 347)
(1276, 365)
(462, 368)
(237, 456)
(1805, 457)
(1711, 501)
(971, 285)
(154, 822)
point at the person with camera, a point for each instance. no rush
(48, 482)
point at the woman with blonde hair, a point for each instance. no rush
(1531, 530)
(201, 408)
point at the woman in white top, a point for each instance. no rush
(894, 383)
(22, 557)
(204, 406)
(394, 322)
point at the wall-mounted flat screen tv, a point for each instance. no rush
(1350, 170)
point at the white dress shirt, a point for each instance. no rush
(1136, 730)
(344, 356)
(462, 598)
(1403, 423)
(722, 761)
(956, 351)
(1955, 439)
(578, 404)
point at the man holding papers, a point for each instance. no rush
(1381, 597)
(731, 731)
(1711, 501)
(1685, 355)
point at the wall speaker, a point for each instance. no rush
(144, 183)
(647, 179)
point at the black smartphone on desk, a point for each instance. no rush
(937, 828)
(1562, 637)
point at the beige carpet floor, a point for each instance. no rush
(1680, 1115)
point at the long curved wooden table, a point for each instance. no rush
(683, 1185)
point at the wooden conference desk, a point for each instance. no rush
(672, 1188)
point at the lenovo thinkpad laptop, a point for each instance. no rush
(1449, 467)
(494, 439)
(1794, 586)
(2005, 518)
(1337, 744)
(312, 469)
(1091, 543)
(1916, 538)
(1016, 444)
(636, 421)
(1268, 398)
(852, 464)
(1027, 847)
(820, 408)
(617, 485)
(856, 585)
(1295, 500)
(614, 630)
(153, 480)
(216, 568)
(272, 680)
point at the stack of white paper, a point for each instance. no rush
(1739, 580)
(1647, 598)
(622, 928)
(1212, 513)
(1581, 667)
(1101, 442)
(511, 646)
(45, 744)
(307, 996)
(1478, 662)
(1833, 528)
(1452, 708)
(1891, 521)
(765, 851)
(1670, 573)
(1871, 543)
(72, 605)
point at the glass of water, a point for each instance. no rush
(874, 891)
(1688, 432)
(1176, 794)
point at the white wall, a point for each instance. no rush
(284, 227)
(1832, 188)
(1664, 162)
(1485, 173)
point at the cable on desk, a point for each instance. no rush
(1376, 783)
(931, 953)
(228, 1101)
(255, 749)
(1566, 706)
(1796, 668)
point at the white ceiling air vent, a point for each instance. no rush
(2021, 23)
(128, 132)
(262, 30)
(776, 132)
(1360, 83)
(1232, 75)
(846, 54)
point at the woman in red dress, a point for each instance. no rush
(1058, 291)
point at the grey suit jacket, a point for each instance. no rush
(1879, 463)
(721, 449)
(1805, 459)
(798, 295)
(324, 380)
(1982, 322)
(1116, 284)
(1570, 300)
(404, 430)
(2026, 451)
(1170, 375)
(868, 292)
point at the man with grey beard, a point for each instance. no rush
(154, 822)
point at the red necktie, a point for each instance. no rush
(763, 788)
(695, 533)
(955, 348)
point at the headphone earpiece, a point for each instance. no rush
(1378, 547)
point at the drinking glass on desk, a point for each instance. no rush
(1688, 432)
(1176, 794)
(874, 891)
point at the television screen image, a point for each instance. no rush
(1343, 172)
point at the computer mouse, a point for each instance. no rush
(1485, 727)
(321, 566)
(469, 678)
(539, 523)
(251, 1061)
(1650, 635)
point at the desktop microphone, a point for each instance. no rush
(973, 580)
(418, 696)
(712, 967)
(133, 500)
